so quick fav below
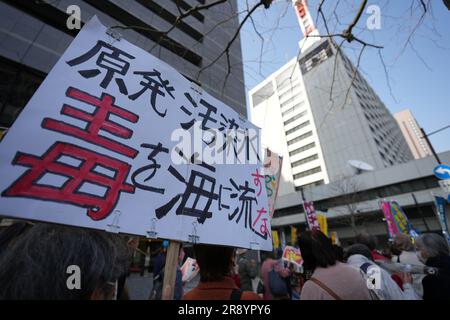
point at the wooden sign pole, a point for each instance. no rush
(170, 269)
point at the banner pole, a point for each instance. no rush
(170, 269)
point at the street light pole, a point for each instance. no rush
(425, 136)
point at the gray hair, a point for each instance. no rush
(35, 266)
(433, 244)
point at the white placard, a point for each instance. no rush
(98, 146)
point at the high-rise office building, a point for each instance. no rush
(412, 133)
(34, 34)
(319, 112)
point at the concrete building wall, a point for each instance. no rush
(411, 184)
(353, 123)
(411, 131)
(281, 107)
(325, 115)
(35, 35)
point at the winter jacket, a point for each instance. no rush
(247, 272)
(410, 257)
(266, 267)
(218, 290)
(343, 280)
(388, 289)
(437, 287)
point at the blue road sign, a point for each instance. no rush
(442, 172)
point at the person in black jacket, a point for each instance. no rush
(433, 250)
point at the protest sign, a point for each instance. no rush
(272, 170)
(402, 221)
(292, 255)
(442, 216)
(122, 142)
(311, 216)
(392, 226)
(396, 219)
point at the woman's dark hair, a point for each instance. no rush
(338, 252)
(36, 266)
(267, 255)
(214, 261)
(317, 250)
(11, 233)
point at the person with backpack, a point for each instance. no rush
(215, 263)
(360, 257)
(275, 278)
(331, 279)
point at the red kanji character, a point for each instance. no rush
(264, 230)
(260, 213)
(257, 176)
(99, 207)
(98, 120)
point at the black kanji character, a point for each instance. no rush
(199, 187)
(155, 86)
(221, 205)
(111, 61)
(246, 198)
(247, 144)
(154, 166)
(228, 128)
(206, 117)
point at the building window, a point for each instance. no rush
(302, 125)
(17, 85)
(292, 109)
(292, 92)
(300, 138)
(305, 160)
(308, 185)
(307, 173)
(285, 103)
(301, 149)
(298, 116)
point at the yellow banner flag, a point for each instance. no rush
(322, 219)
(334, 238)
(293, 236)
(275, 239)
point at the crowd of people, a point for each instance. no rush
(34, 259)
